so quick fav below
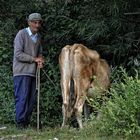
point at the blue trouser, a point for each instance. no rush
(25, 96)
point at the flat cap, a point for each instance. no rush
(34, 16)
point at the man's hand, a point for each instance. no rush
(39, 60)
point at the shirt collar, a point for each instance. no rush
(30, 33)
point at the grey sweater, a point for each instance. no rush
(24, 52)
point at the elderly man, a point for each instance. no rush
(27, 57)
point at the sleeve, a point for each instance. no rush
(19, 50)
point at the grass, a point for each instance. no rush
(12, 133)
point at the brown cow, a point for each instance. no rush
(78, 65)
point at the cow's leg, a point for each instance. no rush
(81, 90)
(65, 95)
(68, 100)
(79, 85)
(79, 103)
(65, 81)
(65, 118)
(79, 110)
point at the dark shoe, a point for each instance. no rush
(26, 124)
(21, 126)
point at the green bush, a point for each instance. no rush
(7, 111)
(121, 114)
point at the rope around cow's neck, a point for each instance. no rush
(48, 77)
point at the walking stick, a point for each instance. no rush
(38, 94)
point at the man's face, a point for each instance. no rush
(34, 26)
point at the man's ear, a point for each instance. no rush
(29, 23)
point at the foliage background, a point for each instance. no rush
(109, 26)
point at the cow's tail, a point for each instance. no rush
(72, 98)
